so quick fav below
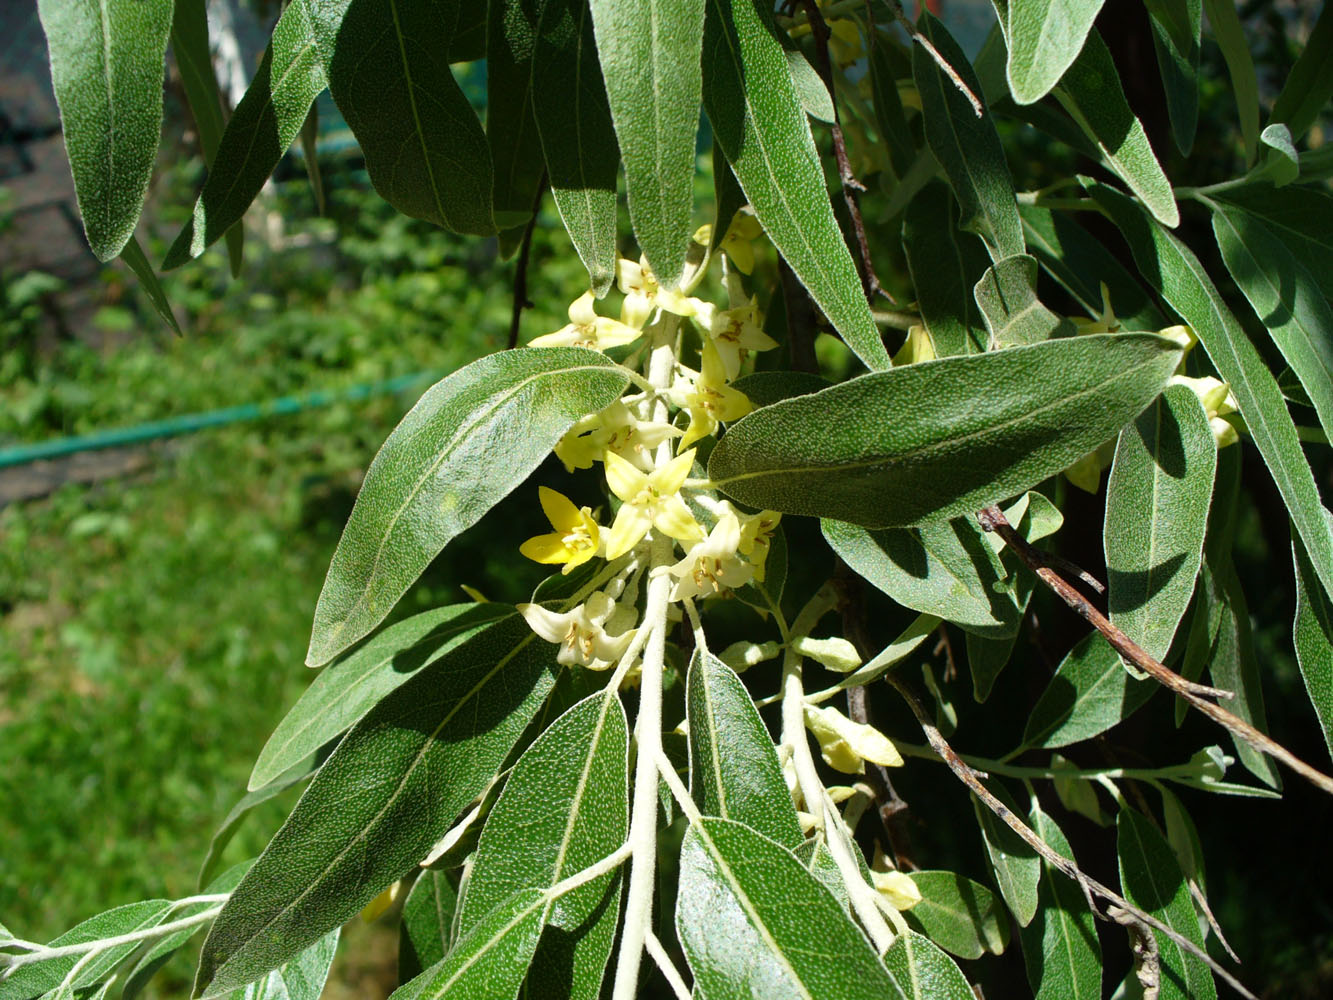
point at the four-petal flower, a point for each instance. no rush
(587, 329)
(576, 537)
(650, 500)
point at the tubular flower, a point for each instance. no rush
(917, 347)
(1218, 402)
(757, 539)
(587, 329)
(584, 634)
(708, 397)
(732, 332)
(847, 745)
(576, 537)
(712, 565)
(614, 429)
(651, 500)
(643, 294)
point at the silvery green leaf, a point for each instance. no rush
(755, 922)
(1157, 500)
(923, 972)
(395, 784)
(961, 916)
(946, 264)
(759, 123)
(428, 916)
(1044, 37)
(469, 440)
(1230, 36)
(349, 688)
(1007, 298)
(511, 129)
(1060, 946)
(1309, 85)
(966, 146)
(578, 138)
(107, 61)
(1090, 692)
(1302, 217)
(1092, 95)
(649, 53)
(564, 807)
(1152, 880)
(1313, 638)
(734, 768)
(942, 438)
(1015, 865)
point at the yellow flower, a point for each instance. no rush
(757, 539)
(576, 536)
(586, 634)
(587, 329)
(1218, 402)
(736, 244)
(614, 429)
(734, 331)
(708, 397)
(712, 566)
(643, 294)
(846, 745)
(651, 500)
(1105, 323)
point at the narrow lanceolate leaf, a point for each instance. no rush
(194, 61)
(1224, 21)
(41, 977)
(1007, 298)
(1090, 692)
(578, 138)
(650, 62)
(261, 129)
(1092, 95)
(1082, 264)
(944, 271)
(889, 114)
(1301, 216)
(1176, 26)
(943, 438)
(986, 658)
(923, 972)
(222, 836)
(428, 917)
(302, 978)
(424, 148)
(943, 568)
(1016, 866)
(469, 440)
(1177, 273)
(490, 962)
(1044, 38)
(386, 795)
(564, 808)
(967, 147)
(734, 769)
(1157, 500)
(763, 130)
(350, 688)
(1286, 299)
(961, 916)
(754, 922)
(1309, 86)
(511, 128)
(107, 62)
(1060, 946)
(133, 255)
(1152, 880)
(1312, 634)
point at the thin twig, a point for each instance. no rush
(801, 322)
(664, 963)
(850, 185)
(521, 267)
(993, 519)
(934, 53)
(1090, 886)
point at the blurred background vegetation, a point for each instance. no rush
(153, 620)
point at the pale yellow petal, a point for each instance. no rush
(546, 623)
(624, 479)
(673, 518)
(630, 525)
(566, 336)
(898, 888)
(612, 333)
(670, 477)
(581, 311)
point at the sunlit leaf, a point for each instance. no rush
(1044, 38)
(961, 916)
(1060, 946)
